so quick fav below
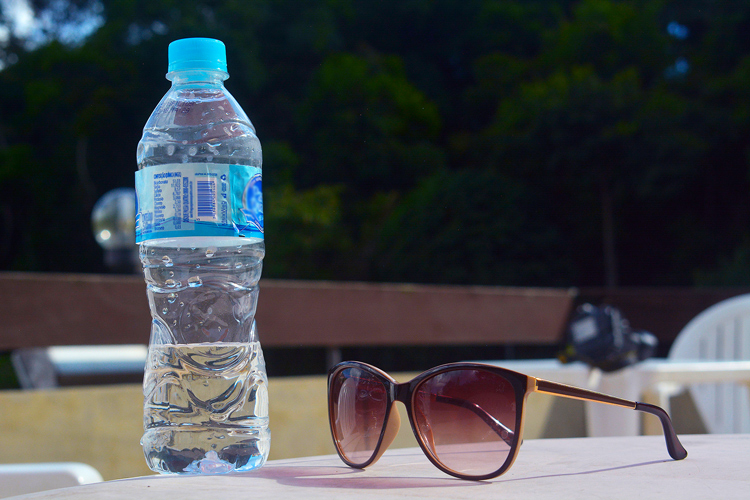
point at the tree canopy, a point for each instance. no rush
(502, 142)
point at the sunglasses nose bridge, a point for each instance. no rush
(401, 393)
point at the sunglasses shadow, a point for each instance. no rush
(580, 473)
(343, 477)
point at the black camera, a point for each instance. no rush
(602, 338)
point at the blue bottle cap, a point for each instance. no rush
(197, 54)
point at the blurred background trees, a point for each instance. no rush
(498, 142)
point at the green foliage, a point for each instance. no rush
(476, 141)
(471, 227)
(367, 125)
(610, 36)
(306, 238)
(8, 378)
(732, 271)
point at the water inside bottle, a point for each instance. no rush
(206, 408)
(205, 386)
(204, 290)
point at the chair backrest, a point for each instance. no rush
(19, 479)
(721, 332)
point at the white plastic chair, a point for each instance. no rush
(41, 367)
(19, 479)
(720, 333)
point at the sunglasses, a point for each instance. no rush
(467, 417)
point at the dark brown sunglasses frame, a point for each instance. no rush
(523, 385)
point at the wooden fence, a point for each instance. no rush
(39, 310)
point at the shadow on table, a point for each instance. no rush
(342, 477)
(398, 475)
(580, 473)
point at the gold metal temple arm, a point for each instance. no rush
(675, 448)
(568, 391)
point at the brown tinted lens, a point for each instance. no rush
(358, 406)
(467, 419)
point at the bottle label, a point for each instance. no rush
(198, 199)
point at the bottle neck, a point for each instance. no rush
(200, 77)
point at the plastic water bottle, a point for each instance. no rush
(199, 222)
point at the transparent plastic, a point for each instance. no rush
(205, 386)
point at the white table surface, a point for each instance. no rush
(557, 469)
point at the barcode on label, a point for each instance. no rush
(206, 194)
